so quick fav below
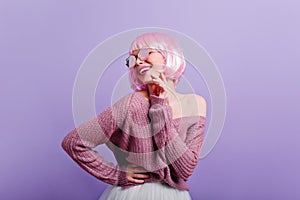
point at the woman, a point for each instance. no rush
(155, 133)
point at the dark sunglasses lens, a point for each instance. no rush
(130, 61)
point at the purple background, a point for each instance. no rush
(255, 45)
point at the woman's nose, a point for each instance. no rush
(139, 61)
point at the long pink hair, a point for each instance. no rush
(175, 62)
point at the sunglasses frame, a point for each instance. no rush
(143, 55)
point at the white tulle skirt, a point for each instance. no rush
(146, 191)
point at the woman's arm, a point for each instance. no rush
(79, 143)
(183, 156)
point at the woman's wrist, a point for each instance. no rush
(157, 100)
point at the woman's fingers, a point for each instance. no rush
(131, 179)
(136, 174)
(163, 77)
(158, 81)
(140, 176)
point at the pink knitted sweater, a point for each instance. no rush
(142, 133)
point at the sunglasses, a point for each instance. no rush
(143, 55)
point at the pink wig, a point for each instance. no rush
(175, 62)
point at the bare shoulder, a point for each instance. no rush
(197, 102)
(201, 104)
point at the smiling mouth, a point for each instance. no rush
(144, 70)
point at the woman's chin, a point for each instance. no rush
(148, 76)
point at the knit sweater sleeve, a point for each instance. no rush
(181, 155)
(79, 143)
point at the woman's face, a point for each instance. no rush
(152, 65)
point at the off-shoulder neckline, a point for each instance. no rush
(175, 119)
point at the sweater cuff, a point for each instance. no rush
(156, 100)
(122, 180)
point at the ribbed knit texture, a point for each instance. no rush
(142, 133)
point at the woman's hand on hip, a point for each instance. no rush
(136, 174)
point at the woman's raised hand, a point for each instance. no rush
(136, 174)
(162, 87)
